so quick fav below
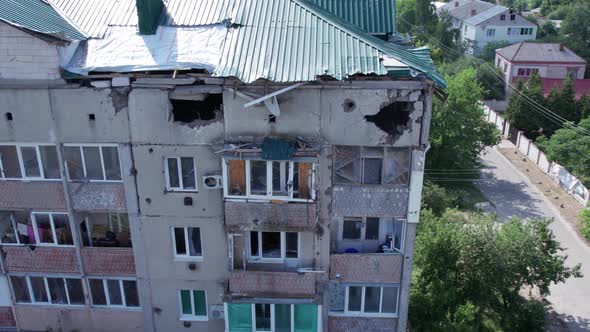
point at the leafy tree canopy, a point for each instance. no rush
(459, 131)
(469, 270)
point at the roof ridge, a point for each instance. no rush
(517, 50)
(66, 18)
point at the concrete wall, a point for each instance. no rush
(23, 56)
(81, 319)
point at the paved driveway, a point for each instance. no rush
(514, 195)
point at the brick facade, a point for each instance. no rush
(98, 197)
(41, 259)
(380, 268)
(376, 201)
(7, 317)
(361, 324)
(38, 195)
(108, 261)
(270, 216)
(273, 284)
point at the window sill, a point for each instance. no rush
(191, 318)
(181, 191)
(50, 305)
(270, 260)
(115, 307)
(188, 259)
(30, 179)
(94, 181)
(263, 199)
(362, 315)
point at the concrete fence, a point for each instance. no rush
(558, 173)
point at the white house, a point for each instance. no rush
(481, 22)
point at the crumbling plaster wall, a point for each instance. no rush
(23, 56)
(324, 114)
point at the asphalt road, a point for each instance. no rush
(514, 195)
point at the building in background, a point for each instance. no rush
(481, 22)
(553, 61)
(235, 166)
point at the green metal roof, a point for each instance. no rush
(375, 16)
(40, 17)
(294, 41)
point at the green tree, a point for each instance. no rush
(469, 271)
(523, 107)
(561, 101)
(583, 106)
(570, 147)
(406, 15)
(489, 51)
(425, 13)
(547, 31)
(435, 198)
(575, 29)
(459, 131)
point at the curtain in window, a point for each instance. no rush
(306, 318)
(240, 317)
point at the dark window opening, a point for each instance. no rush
(272, 118)
(91, 117)
(8, 116)
(192, 110)
(392, 118)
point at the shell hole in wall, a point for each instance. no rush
(392, 118)
(8, 116)
(188, 111)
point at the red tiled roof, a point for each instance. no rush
(582, 87)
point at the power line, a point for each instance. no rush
(551, 116)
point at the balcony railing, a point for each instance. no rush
(273, 284)
(108, 261)
(271, 216)
(379, 268)
(41, 259)
(91, 196)
(39, 195)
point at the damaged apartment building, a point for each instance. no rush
(209, 165)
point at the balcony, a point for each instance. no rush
(93, 196)
(347, 324)
(41, 259)
(362, 267)
(245, 216)
(108, 261)
(39, 195)
(273, 284)
(370, 200)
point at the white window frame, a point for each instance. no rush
(104, 174)
(179, 170)
(269, 190)
(186, 257)
(15, 230)
(490, 32)
(194, 316)
(32, 296)
(107, 295)
(361, 313)
(53, 232)
(260, 259)
(21, 163)
(272, 317)
(110, 215)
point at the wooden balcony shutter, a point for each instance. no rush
(304, 180)
(237, 177)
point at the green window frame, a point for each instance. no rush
(242, 317)
(193, 304)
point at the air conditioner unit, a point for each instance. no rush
(216, 311)
(212, 182)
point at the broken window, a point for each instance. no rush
(351, 229)
(9, 162)
(192, 110)
(372, 300)
(269, 179)
(105, 230)
(371, 165)
(181, 174)
(16, 228)
(187, 242)
(193, 304)
(393, 118)
(371, 234)
(114, 292)
(32, 161)
(274, 245)
(93, 162)
(52, 228)
(47, 290)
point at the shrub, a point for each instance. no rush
(585, 223)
